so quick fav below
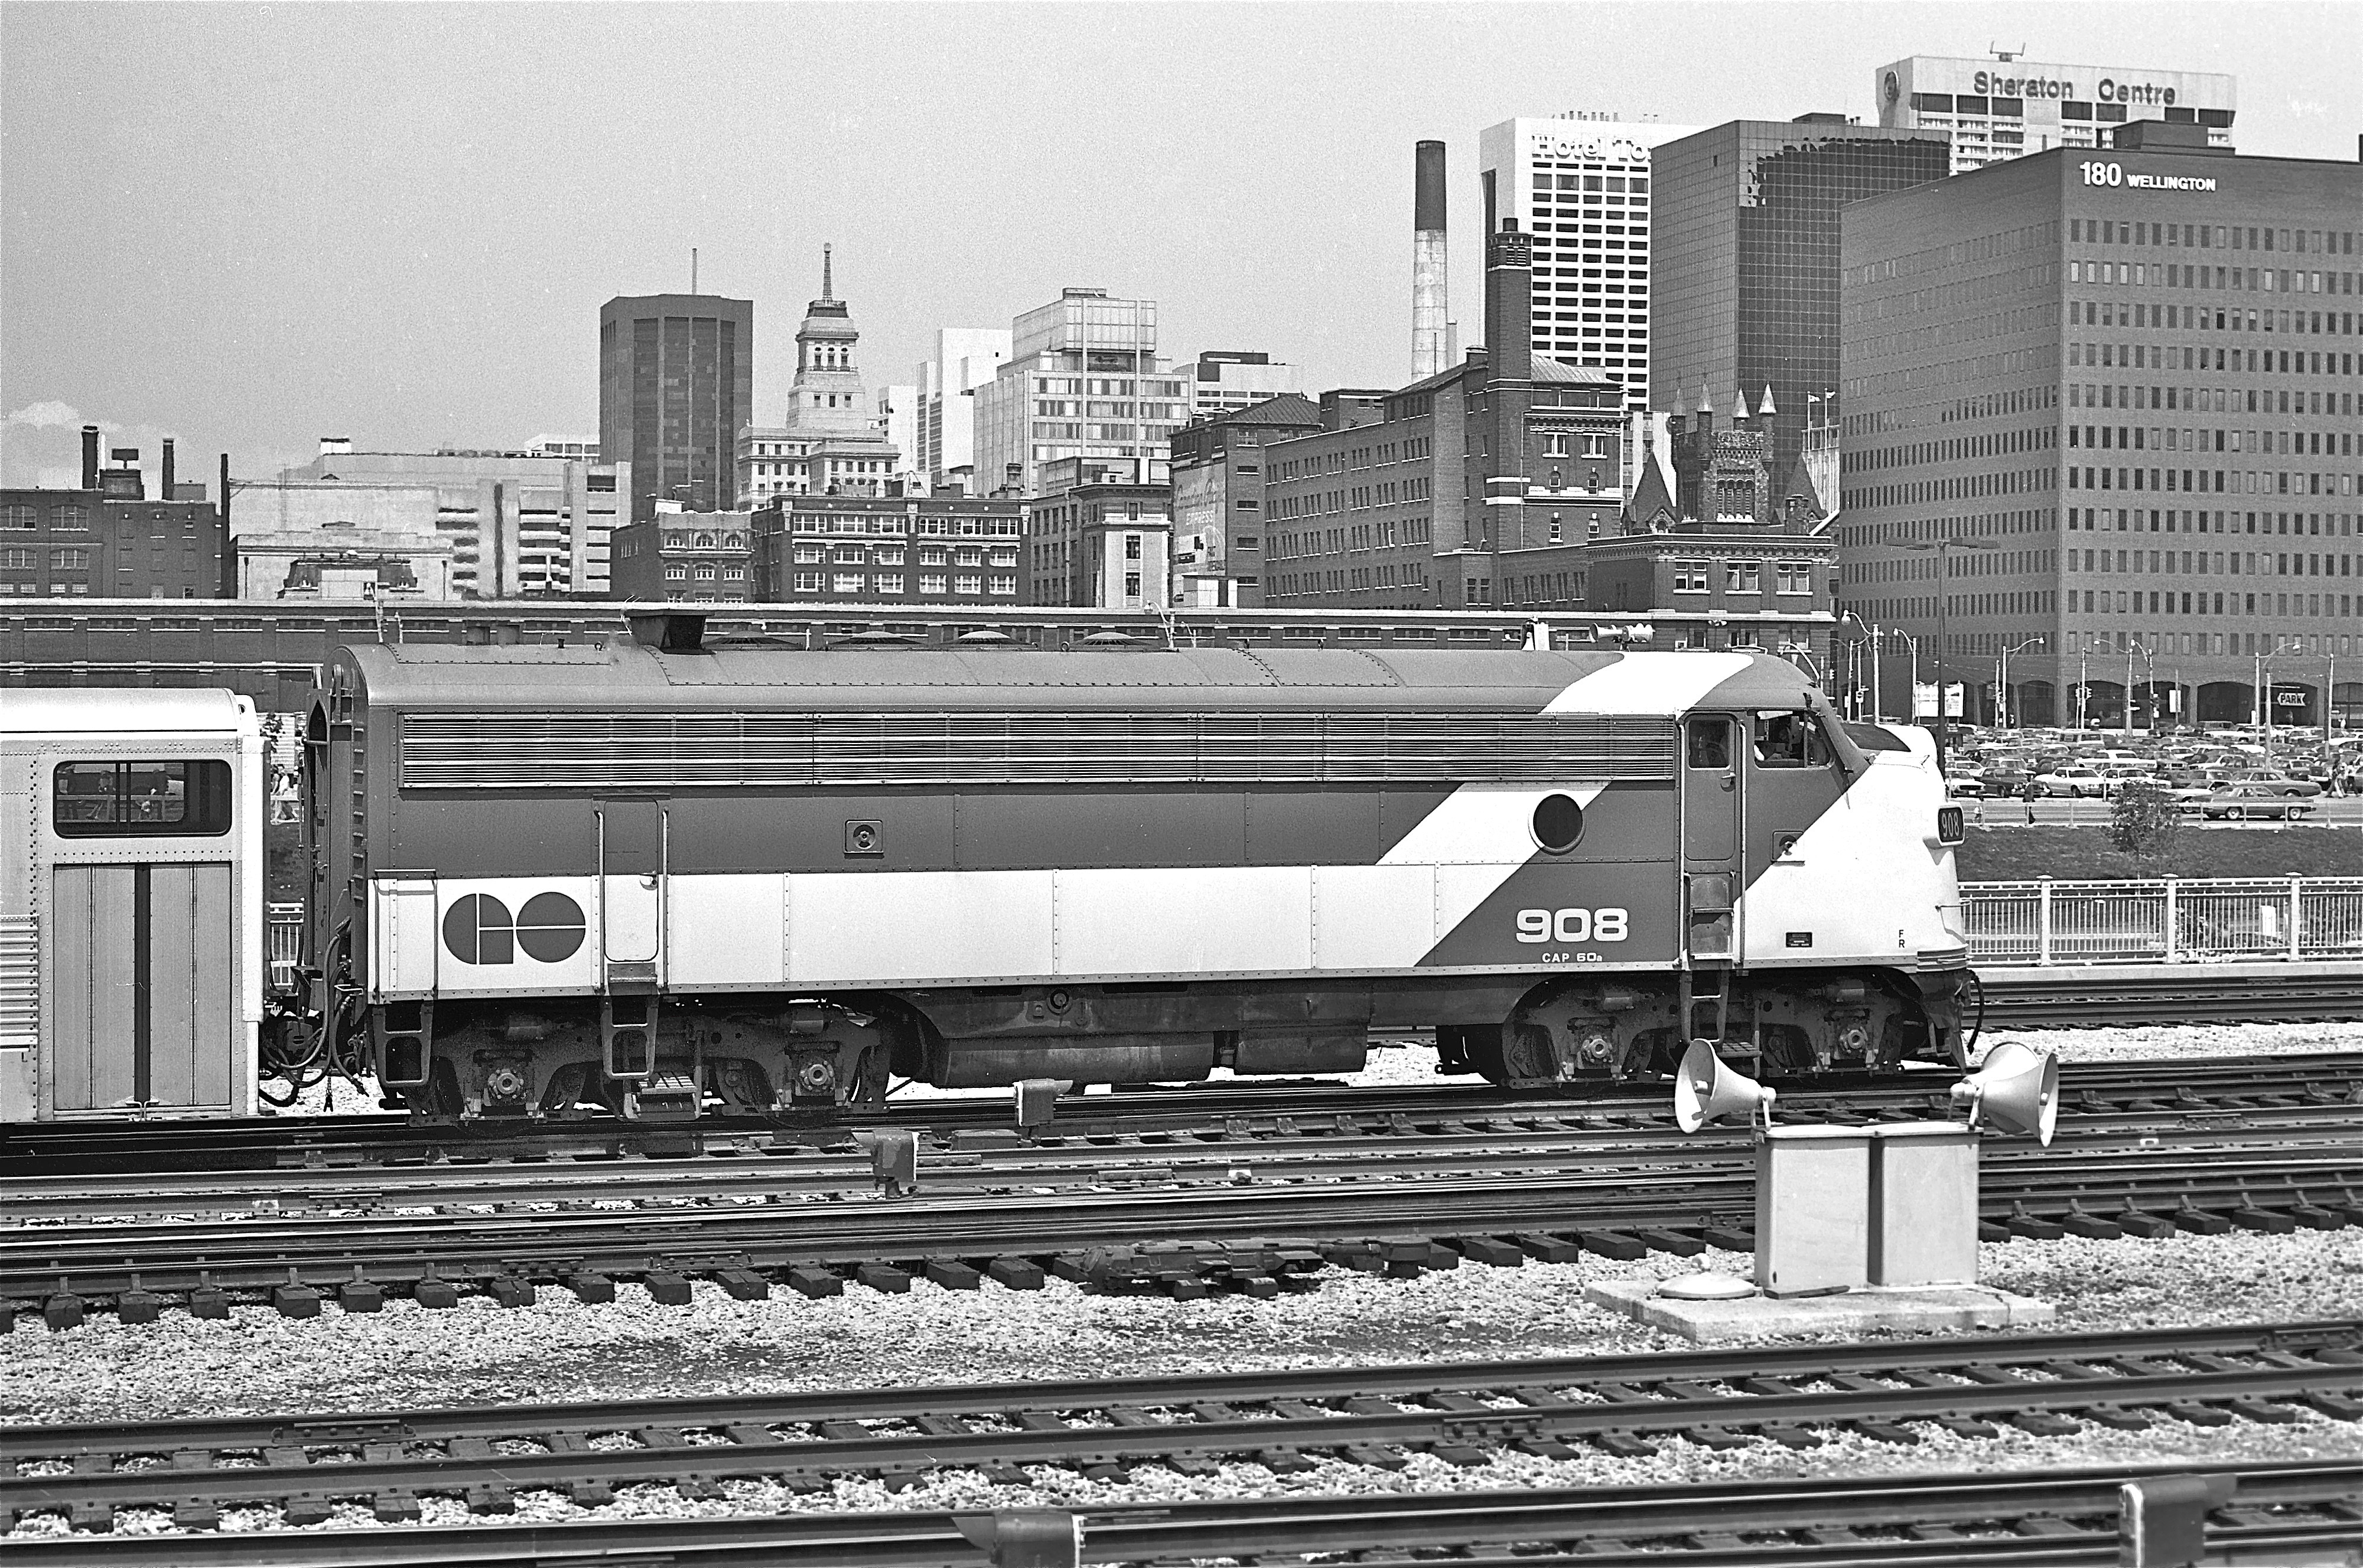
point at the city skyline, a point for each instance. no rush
(248, 228)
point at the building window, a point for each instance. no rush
(807, 582)
(69, 561)
(1004, 585)
(1132, 585)
(1132, 546)
(1743, 576)
(809, 555)
(734, 574)
(676, 574)
(933, 582)
(890, 583)
(969, 582)
(845, 582)
(1689, 577)
(1796, 576)
(704, 572)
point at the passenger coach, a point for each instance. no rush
(130, 903)
(652, 876)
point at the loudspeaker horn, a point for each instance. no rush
(2017, 1090)
(1708, 1088)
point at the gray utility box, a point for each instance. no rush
(1924, 1203)
(1812, 1210)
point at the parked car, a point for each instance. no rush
(2243, 803)
(2282, 784)
(2000, 782)
(2077, 781)
(1961, 787)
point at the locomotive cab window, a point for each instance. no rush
(1790, 740)
(1710, 742)
(140, 799)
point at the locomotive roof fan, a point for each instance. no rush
(1707, 1088)
(2017, 1090)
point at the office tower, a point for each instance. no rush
(676, 385)
(2006, 108)
(1580, 188)
(966, 357)
(2102, 407)
(1745, 230)
(831, 443)
(1431, 292)
(1082, 380)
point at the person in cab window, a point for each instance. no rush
(1710, 742)
(1788, 740)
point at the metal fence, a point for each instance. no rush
(2172, 921)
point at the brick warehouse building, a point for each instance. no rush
(2107, 401)
(913, 551)
(110, 539)
(1477, 484)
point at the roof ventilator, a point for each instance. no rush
(669, 632)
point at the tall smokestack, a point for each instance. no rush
(90, 457)
(1430, 297)
(167, 475)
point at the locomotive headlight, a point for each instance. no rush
(1949, 827)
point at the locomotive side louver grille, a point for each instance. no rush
(654, 751)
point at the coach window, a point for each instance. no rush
(140, 799)
(1710, 742)
(1790, 740)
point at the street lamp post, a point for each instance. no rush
(1944, 550)
(1868, 634)
(2001, 679)
(2149, 684)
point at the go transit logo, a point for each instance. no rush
(479, 929)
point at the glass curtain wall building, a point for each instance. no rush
(1746, 239)
(2124, 386)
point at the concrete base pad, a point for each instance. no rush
(1924, 1309)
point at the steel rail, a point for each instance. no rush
(1271, 1227)
(1231, 1111)
(2056, 1519)
(1373, 1416)
(1500, 1142)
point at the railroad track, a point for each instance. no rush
(2057, 1519)
(1276, 1147)
(2105, 996)
(1385, 1418)
(1262, 1235)
(1231, 1112)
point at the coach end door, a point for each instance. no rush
(144, 1000)
(1710, 836)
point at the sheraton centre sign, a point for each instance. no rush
(1991, 84)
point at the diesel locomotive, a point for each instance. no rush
(655, 877)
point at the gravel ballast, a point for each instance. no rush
(561, 1350)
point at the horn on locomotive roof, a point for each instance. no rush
(668, 631)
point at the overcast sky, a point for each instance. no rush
(250, 226)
